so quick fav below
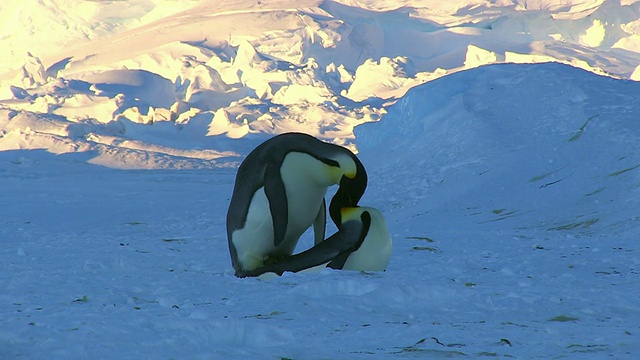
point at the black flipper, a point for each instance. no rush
(338, 262)
(320, 224)
(278, 205)
(347, 240)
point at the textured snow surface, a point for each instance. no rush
(205, 72)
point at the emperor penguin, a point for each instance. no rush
(362, 243)
(279, 193)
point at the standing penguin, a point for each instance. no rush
(362, 243)
(279, 193)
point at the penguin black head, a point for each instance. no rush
(349, 193)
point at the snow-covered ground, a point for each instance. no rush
(511, 187)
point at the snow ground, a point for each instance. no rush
(511, 190)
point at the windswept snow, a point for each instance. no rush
(500, 138)
(252, 69)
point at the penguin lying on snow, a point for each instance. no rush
(363, 243)
(279, 193)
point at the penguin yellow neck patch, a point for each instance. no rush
(347, 166)
(350, 213)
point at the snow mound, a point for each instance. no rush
(513, 144)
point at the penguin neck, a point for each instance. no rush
(340, 200)
(347, 195)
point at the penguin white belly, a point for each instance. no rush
(375, 251)
(255, 239)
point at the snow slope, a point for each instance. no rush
(511, 190)
(555, 138)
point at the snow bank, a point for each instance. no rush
(558, 142)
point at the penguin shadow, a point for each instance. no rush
(279, 193)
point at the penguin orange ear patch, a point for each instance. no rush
(348, 166)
